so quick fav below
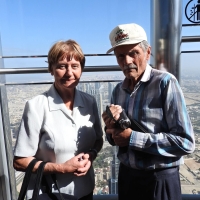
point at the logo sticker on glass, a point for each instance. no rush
(192, 11)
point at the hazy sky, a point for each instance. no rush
(30, 27)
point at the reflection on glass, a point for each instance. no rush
(190, 171)
(106, 164)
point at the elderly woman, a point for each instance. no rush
(61, 126)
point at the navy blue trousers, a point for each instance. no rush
(87, 197)
(160, 184)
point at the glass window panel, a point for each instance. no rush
(26, 32)
(106, 164)
(190, 84)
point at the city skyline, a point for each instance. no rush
(106, 175)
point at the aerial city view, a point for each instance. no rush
(106, 164)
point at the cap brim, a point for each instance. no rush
(125, 43)
(110, 50)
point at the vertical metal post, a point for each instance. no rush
(166, 24)
(7, 174)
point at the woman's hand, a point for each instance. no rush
(83, 170)
(73, 164)
(79, 165)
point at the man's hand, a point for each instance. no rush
(121, 137)
(108, 121)
(115, 110)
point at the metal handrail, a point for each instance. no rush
(183, 39)
(44, 56)
(195, 38)
(115, 197)
(45, 69)
(184, 25)
(196, 51)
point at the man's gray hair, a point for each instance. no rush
(144, 45)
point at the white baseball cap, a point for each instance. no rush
(126, 34)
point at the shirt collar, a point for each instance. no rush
(56, 102)
(145, 77)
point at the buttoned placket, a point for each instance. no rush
(132, 100)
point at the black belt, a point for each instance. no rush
(139, 172)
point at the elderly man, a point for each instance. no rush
(152, 148)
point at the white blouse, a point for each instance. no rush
(50, 132)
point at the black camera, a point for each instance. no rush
(123, 121)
